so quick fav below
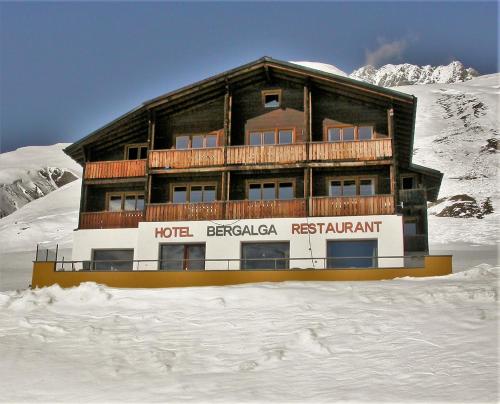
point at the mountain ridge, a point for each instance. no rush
(405, 74)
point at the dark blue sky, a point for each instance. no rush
(69, 68)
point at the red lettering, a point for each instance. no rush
(295, 228)
(348, 226)
(159, 232)
(359, 227)
(303, 228)
(369, 226)
(330, 228)
(312, 228)
(377, 225)
(320, 227)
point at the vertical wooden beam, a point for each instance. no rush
(152, 130)
(228, 185)
(307, 113)
(83, 189)
(306, 189)
(394, 166)
(223, 192)
(309, 204)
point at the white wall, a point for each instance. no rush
(146, 243)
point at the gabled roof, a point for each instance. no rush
(137, 118)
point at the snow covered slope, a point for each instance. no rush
(408, 74)
(427, 340)
(32, 172)
(457, 130)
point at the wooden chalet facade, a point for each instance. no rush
(264, 142)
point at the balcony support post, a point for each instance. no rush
(394, 168)
(307, 113)
(83, 192)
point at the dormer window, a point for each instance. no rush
(271, 98)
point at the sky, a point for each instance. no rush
(67, 68)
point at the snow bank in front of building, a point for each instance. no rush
(427, 339)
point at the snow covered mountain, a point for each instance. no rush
(408, 74)
(32, 172)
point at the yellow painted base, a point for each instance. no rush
(45, 275)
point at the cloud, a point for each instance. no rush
(386, 52)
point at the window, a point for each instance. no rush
(285, 136)
(271, 98)
(410, 228)
(182, 257)
(349, 133)
(352, 187)
(366, 187)
(198, 141)
(365, 132)
(131, 201)
(407, 182)
(273, 255)
(136, 151)
(270, 190)
(270, 137)
(113, 260)
(351, 253)
(194, 193)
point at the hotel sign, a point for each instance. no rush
(237, 230)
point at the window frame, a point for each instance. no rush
(184, 259)
(137, 146)
(375, 259)
(356, 132)
(123, 195)
(357, 179)
(403, 176)
(277, 91)
(188, 186)
(190, 136)
(276, 136)
(276, 182)
(242, 259)
(93, 260)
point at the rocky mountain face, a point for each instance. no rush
(408, 74)
(30, 173)
(33, 185)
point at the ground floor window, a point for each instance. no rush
(182, 257)
(265, 255)
(352, 253)
(113, 260)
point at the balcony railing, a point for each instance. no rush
(352, 205)
(225, 210)
(184, 211)
(271, 154)
(359, 150)
(111, 220)
(263, 209)
(280, 154)
(186, 158)
(413, 196)
(115, 169)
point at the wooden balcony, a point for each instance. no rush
(115, 169)
(352, 206)
(263, 209)
(110, 220)
(225, 210)
(363, 150)
(279, 154)
(158, 212)
(186, 158)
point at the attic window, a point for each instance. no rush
(271, 99)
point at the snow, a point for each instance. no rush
(324, 67)
(426, 340)
(16, 164)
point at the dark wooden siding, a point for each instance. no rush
(238, 182)
(248, 112)
(96, 194)
(204, 119)
(161, 184)
(329, 108)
